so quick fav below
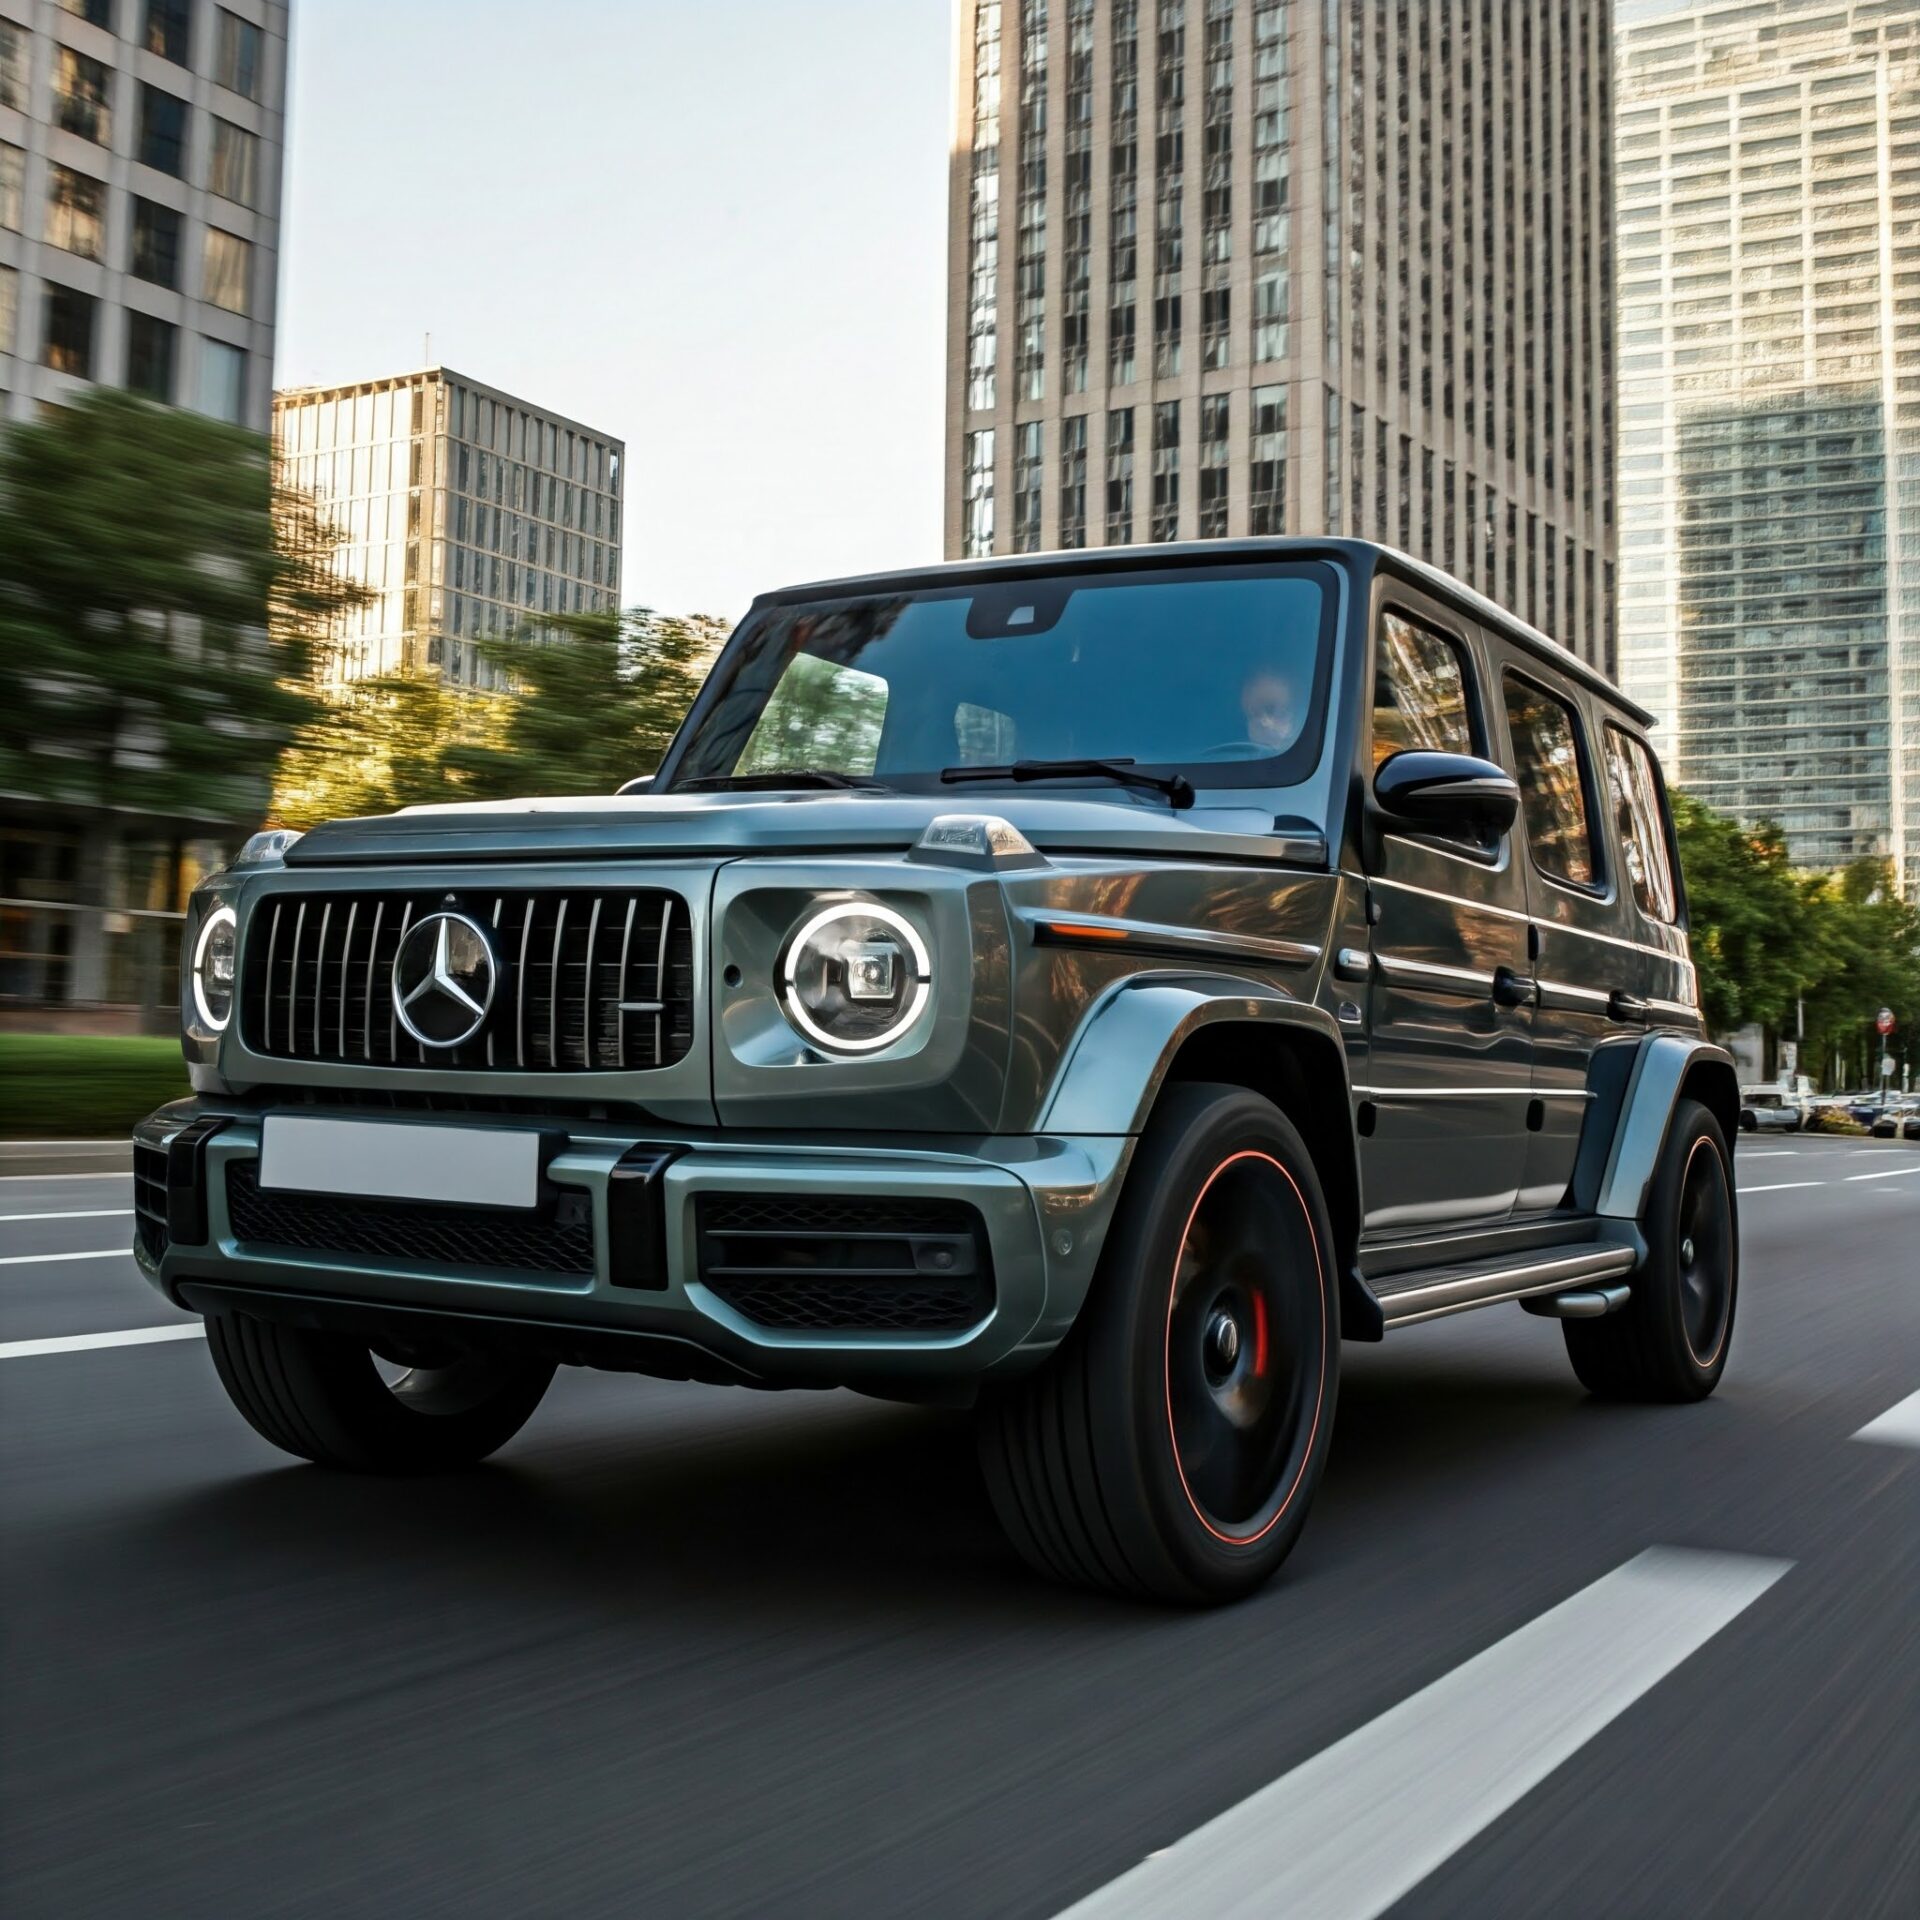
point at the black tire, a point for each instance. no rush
(1669, 1343)
(1156, 1455)
(322, 1397)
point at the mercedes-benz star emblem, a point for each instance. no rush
(443, 979)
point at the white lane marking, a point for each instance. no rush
(1781, 1186)
(1899, 1426)
(71, 1146)
(86, 1213)
(47, 1259)
(106, 1174)
(1349, 1832)
(1768, 1153)
(87, 1342)
(1885, 1173)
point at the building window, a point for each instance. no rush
(234, 172)
(223, 381)
(80, 97)
(13, 173)
(978, 532)
(1030, 256)
(1272, 168)
(156, 243)
(237, 56)
(1165, 523)
(1028, 466)
(1076, 259)
(163, 131)
(9, 306)
(169, 23)
(76, 212)
(1267, 461)
(1216, 191)
(1331, 441)
(228, 270)
(1169, 191)
(1215, 415)
(1120, 476)
(1123, 212)
(96, 13)
(983, 215)
(1073, 481)
(149, 356)
(13, 66)
(67, 337)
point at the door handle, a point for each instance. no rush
(1512, 989)
(1622, 1005)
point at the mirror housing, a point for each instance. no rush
(641, 783)
(1450, 793)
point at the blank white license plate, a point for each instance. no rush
(399, 1160)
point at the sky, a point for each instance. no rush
(715, 229)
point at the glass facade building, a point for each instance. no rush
(141, 146)
(1290, 266)
(469, 514)
(1768, 161)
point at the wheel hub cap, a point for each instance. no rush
(1223, 1343)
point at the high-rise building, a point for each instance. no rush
(1228, 267)
(1768, 158)
(467, 513)
(140, 169)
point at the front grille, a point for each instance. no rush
(412, 1234)
(150, 1198)
(842, 1265)
(585, 982)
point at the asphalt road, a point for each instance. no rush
(682, 1650)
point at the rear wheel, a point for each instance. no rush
(1172, 1445)
(331, 1399)
(1670, 1340)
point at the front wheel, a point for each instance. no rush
(1170, 1449)
(328, 1398)
(1669, 1342)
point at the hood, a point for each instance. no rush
(729, 825)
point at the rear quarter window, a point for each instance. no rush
(1633, 792)
(1549, 755)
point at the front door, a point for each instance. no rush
(1444, 1110)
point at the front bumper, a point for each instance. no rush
(1043, 1202)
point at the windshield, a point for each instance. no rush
(1220, 672)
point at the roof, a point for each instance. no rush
(1187, 553)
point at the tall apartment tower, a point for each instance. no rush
(467, 512)
(1230, 267)
(1768, 157)
(140, 172)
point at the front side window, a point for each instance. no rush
(1220, 673)
(1549, 764)
(1419, 693)
(1633, 791)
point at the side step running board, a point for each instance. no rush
(1568, 1273)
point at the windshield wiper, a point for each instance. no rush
(777, 777)
(1178, 790)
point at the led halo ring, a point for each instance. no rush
(894, 922)
(218, 917)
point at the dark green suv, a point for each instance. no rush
(1086, 986)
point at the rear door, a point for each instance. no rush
(1442, 1116)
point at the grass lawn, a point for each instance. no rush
(62, 1086)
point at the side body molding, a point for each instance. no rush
(1665, 1063)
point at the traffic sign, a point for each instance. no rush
(1885, 1022)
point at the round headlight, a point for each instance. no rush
(855, 978)
(213, 957)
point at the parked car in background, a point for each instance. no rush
(1768, 1110)
(1897, 1115)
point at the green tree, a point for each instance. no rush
(1866, 955)
(155, 638)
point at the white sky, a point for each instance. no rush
(713, 228)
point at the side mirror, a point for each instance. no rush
(1450, 793)
(641, 784)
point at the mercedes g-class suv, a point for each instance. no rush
(1089, 986)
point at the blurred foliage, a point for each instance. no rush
(593, 699)
(160, 602)
(62, 1086)
(1767, 939)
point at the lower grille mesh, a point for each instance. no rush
(413, 1234)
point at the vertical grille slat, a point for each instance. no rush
(571, 968)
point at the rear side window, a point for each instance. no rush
(1547, 757)
(1633, 791)
(1419, 692)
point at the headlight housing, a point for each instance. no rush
(214, 953)
(267, 848)
(855, 977)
